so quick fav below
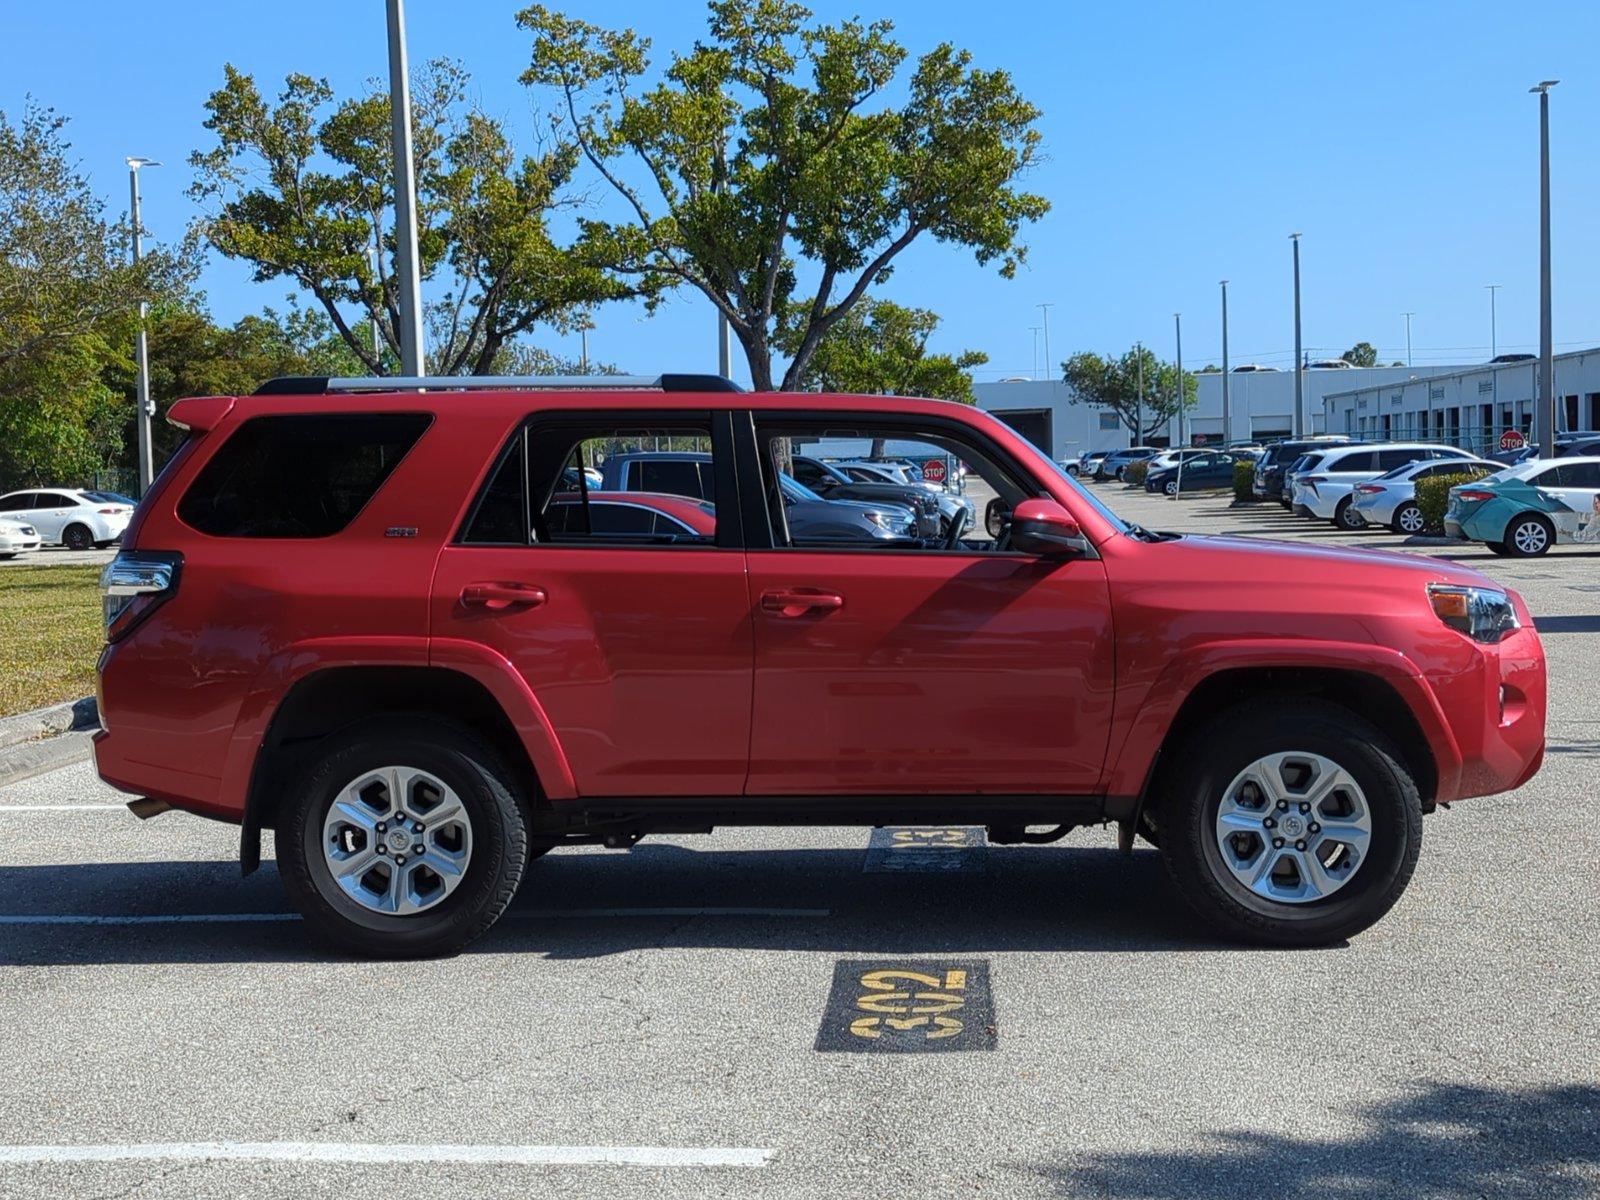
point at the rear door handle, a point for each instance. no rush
(796, 602)
(497, 597)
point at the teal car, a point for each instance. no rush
(1524, 510)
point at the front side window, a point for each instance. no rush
(911, 489)
(299, 476)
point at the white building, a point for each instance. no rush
(1468, 406)
(1262, 404)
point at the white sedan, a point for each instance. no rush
(1392, 499)
(70, 517)
(17, 537)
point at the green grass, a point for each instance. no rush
(50, 635)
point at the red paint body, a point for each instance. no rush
(716, 671)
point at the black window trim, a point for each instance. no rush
(718, 423)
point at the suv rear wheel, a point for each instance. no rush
(403, 839)
(1346, 517)
(1294, 824)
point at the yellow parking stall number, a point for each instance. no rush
(890, 996)
(927, 839)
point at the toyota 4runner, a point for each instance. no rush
(387, 620)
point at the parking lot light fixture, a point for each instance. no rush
(1299, 366)
(146, 410)
(1227, 411)
(1544, 420)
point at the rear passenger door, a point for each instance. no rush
(633, 636)
(50, 513)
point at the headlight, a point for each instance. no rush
(1483, 614)
(890, 521)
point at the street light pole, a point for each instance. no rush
(1227, 408)
(409, 283)
(146, 410)
(1408, 317)
(1299, 373)
(1045, 308)
(1138, 403)
(1544, 417)
(1177, 326)
(1494, 338)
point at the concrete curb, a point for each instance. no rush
(33, 743)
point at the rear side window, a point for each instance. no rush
(1388, 460)
(302, 476)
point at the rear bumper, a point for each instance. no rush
(1376, 509)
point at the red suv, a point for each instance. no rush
(389, 620)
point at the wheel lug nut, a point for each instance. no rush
(1270, 823)
(1300, 845)
(383, 849)
(417, 828)
(382, 827)
(1277, 843)
(1315, 828)
(1304, 807)
(1283, 805)
(400, 860)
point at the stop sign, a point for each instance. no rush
(933, 470)
(1512, 440)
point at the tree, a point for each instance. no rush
(755, 158)
(1362, 354)
(69, 300)
(1113, 383)
(880, 347)
(301, 191)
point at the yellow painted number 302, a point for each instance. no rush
(889, 994)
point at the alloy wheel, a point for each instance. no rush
(1293, 827)
(1531, 537)
(397, 840)
(1410, 519)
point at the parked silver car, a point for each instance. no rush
(1391, 499)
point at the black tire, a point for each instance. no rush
(500, 849)
(1346, 517)
(1538, 535)
(1170, 487)
(1287, 504)
(5, 557)
(77, 537)
(1407, 512)
(1216, 753)
(1497, 548)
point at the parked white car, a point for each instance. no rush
(70, 517)
(1392, 499)
(1169, 458)
(17, 537)
(1325, 489)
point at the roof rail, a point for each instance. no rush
(318, 385)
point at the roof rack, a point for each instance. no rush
(318, 385)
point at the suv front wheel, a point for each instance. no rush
(402, 839)
(1292, 823)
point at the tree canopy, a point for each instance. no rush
(882, 347)
(763, 170)
(1362, 354)
(302, 188)
(1104, 382)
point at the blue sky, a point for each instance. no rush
(1183, 143)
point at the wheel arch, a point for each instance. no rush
(1374, 696)
(332, 698)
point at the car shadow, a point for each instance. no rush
(1018, 899)
(1442, 1139)
(1582, 623)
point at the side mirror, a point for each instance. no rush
(1044, 528)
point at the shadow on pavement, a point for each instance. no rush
(1446, 1140)
(1046, 899)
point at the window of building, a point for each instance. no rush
(1110, 420)
(298, 476)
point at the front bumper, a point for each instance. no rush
(1499, 715)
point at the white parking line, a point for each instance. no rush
(22, 808)
(360, 1152)
(527, 915)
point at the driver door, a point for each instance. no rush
(896, 666)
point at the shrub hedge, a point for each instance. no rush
(1135, 474)
(1433, 495)
(1244, 477)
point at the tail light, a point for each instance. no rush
(134, 584)
(1311, 481)
(1474, 495)
(108, 512)
(1367, 489)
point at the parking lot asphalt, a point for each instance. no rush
(59, 556)
(657, 1021)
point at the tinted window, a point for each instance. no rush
(502, 513)
(54, 500)
(1359, 460)
(298, 476)
(19, 502)
(673, 477)
(1580, 475)
(1388, 460)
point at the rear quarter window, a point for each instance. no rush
(298, 476)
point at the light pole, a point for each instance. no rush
(1034, 329)
(409, 284)
(377, 334)
(1494, 336)
(1045, 308)
(1299, 374)
(1138, 402)
(146, 409)
(1177, 327)
(1408, 317)
(1227, 408)
(1544, 417)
